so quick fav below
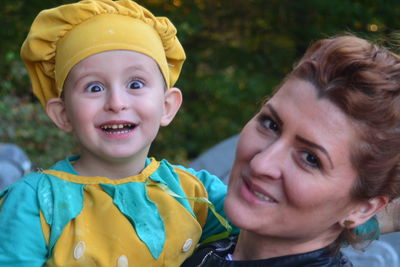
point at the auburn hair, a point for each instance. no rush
(363, 80)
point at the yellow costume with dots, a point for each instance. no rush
(73, 220)
(59, 218)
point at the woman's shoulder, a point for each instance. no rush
(213, 253)
(217, 254)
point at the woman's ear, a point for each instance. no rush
(364, 211)
(55, 109)
(172, 103)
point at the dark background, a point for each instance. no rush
(238, 51)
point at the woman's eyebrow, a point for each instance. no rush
(274, 113)
(319, 147)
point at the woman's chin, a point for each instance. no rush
(236, 212)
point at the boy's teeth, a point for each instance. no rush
(263, 197)
(115, 126)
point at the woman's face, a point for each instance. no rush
(292, 175)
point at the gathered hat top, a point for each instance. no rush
(61, 37)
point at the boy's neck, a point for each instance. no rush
(117, 169)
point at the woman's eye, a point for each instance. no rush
(135, 84)
(311, 160)
(269, 123)
(94, 88)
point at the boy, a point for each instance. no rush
(105, 71)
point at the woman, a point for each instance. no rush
(320, 158)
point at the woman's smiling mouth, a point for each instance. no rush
(263, 197)
(257, 192)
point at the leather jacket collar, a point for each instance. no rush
(214, 254)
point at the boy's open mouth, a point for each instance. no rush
(118, 128)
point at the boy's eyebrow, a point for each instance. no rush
(274, 113)
(314, 145)
(93, 71)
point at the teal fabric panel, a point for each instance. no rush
(60, 202)
(216, 194)
(131, 199)
(22, 242)
(370, 230)
(166, 174)
(65, 165)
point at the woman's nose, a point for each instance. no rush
(115, 101)
(269, 161)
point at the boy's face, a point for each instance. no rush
(115, 102)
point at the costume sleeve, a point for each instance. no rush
(216, 190)
(370, 230)
(21, 237)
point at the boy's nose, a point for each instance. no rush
(269, 161)
(115, 101)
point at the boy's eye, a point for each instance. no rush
(135, 84)
(311, 160)
(94, 88)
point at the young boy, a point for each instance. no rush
(105, 71)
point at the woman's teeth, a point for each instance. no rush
(263, 197)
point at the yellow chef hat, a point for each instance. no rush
(61, 37)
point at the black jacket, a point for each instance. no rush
(213, 255)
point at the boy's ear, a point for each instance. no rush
(55, 109)
(364, 211)
(172, 103)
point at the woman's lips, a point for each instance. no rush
(258, 191)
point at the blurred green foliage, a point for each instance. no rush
(237, 52)
(24, 123)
